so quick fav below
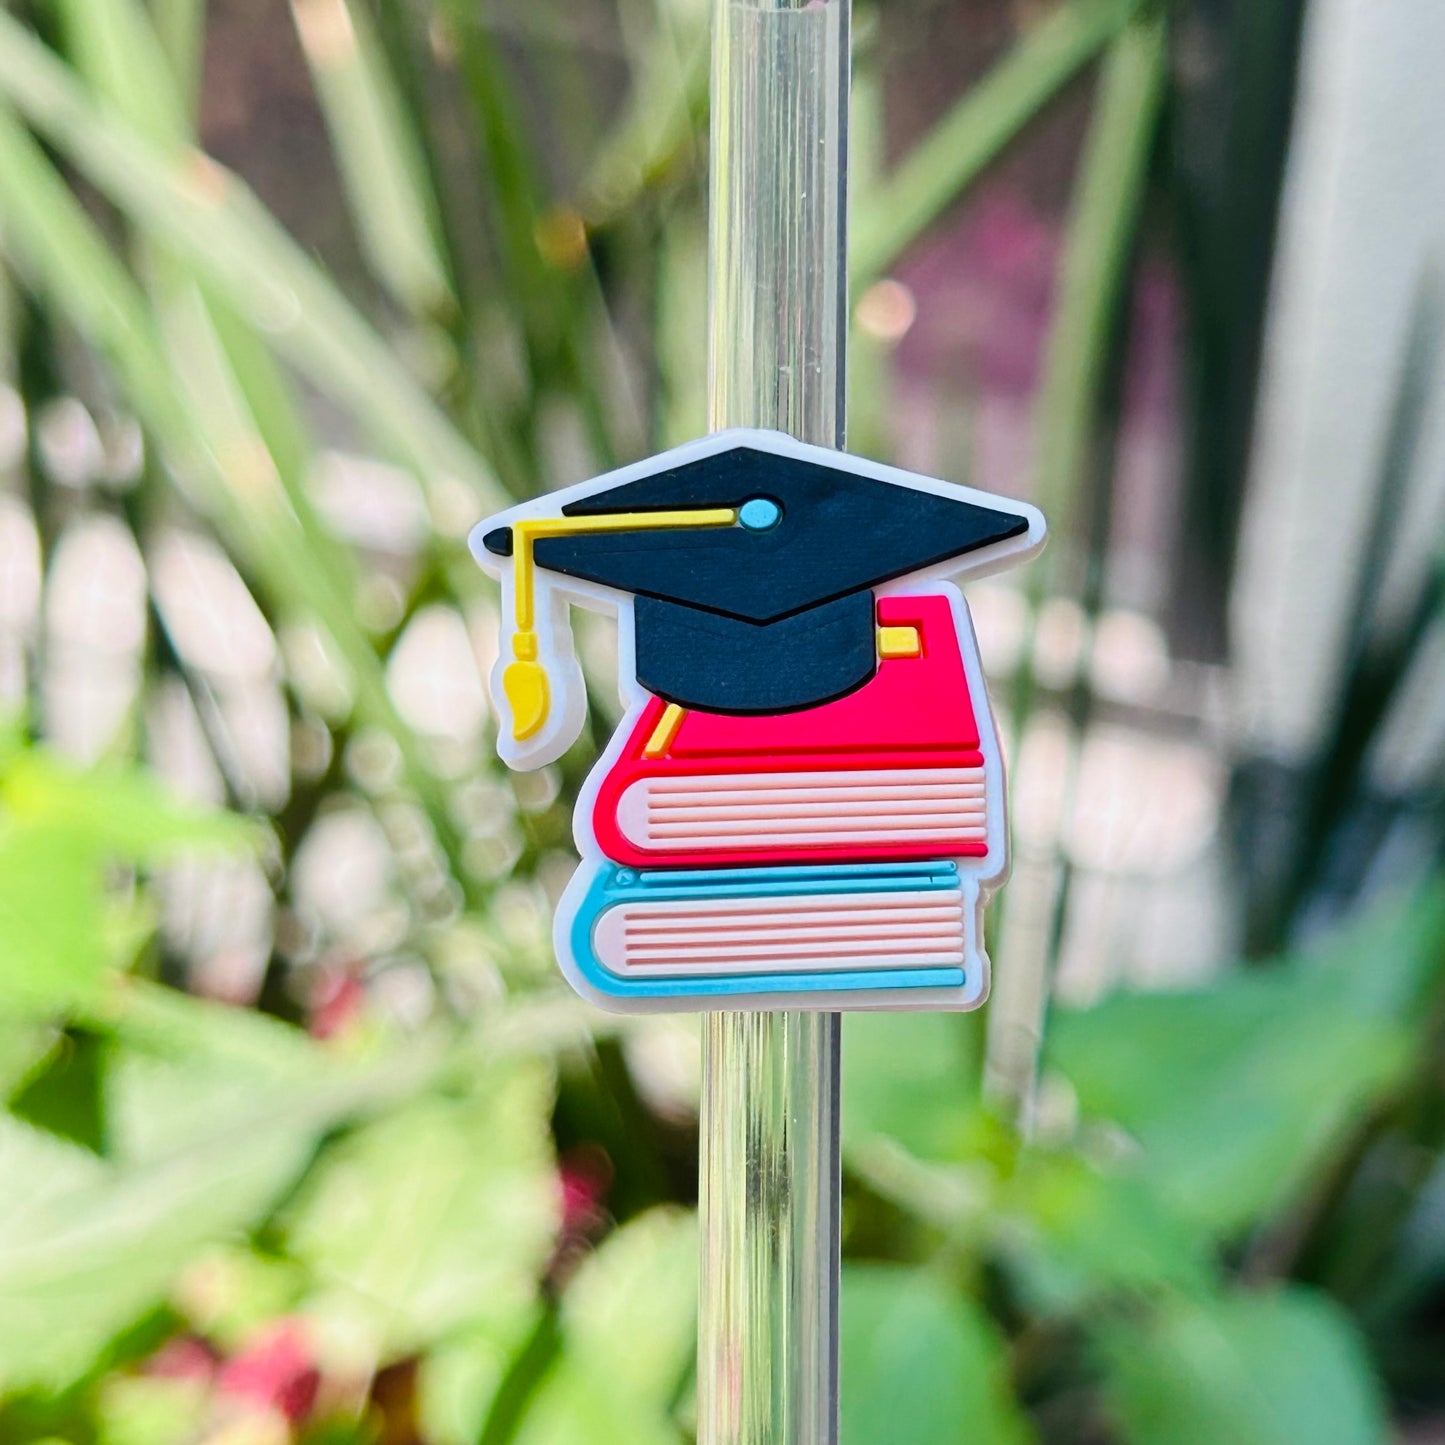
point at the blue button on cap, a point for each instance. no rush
(759, 514)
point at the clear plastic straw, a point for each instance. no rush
(768, 1330)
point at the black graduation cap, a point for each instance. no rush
(753, 564)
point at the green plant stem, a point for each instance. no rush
(121, 56)
(1098, 247)
(57, 248)
(1380, 654)
(242, 404)
(657, 138)
(212, 221)
(955, 152)
(378, 154)
(525, 1374)
(559, 301)
(181, 28)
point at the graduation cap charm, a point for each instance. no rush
(804, 804)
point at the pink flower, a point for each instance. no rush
(277, 1371)
(584, 1177)
(184, 1358)
(336, 1002)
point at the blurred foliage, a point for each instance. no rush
(463, 1216)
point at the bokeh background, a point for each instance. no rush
(304, 1139)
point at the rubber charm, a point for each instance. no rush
(803, 806)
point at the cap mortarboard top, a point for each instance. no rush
(756, 597)
(746, 571)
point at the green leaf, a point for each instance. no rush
(377, 151)
(52, 949)
(1238, 1091)
(123, 813)
(239, 1293)
(1267, 1369)
(459, 1378)
(581, 1409)
(629, 1316)
(87, 1248)
(436, 1217)
(181, 30)
(117, 50)
(1101, 236)
(208, 1134)
(237, 387)
(1233, 1094)
(910, 1077)
(67, 1096)
(662, 133)
(59, 827)
(217, 1040)
(61, 253)
(953, 155)
(145, 1410)
(25, 1047)
(1084, 356)
(1074, 1232)
(624, 1343)
(207, 217)
(921, 1363)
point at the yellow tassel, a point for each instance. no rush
(525, 683)
(529, 694)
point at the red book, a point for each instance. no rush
(894, 771)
